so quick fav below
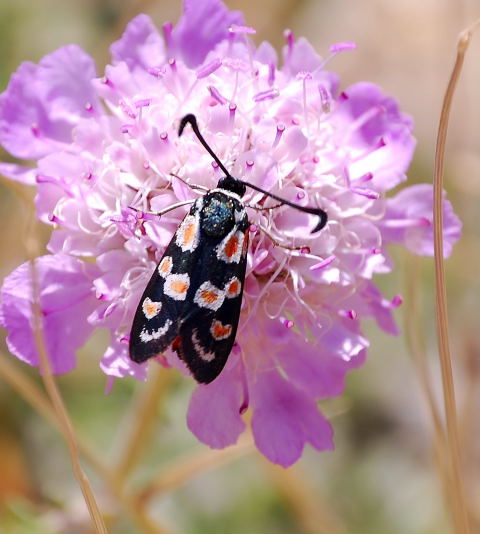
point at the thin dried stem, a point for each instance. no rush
(29, 390)
(471, 387)
(185, 468)
(61, 411)
(416, 344)
(56, 413)
(314, 516)
(458, 505)
(142, 418)
(49, 380)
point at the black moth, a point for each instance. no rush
(192, 301)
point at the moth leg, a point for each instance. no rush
(165, 210)
(279, 243)
(192, 186)
(263, 208)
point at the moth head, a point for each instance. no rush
(232, 184)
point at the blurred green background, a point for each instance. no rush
(382, 477)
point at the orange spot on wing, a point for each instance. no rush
(209, 296)
(165, 265)
(151, 308)
(189, 233)
(179, 287)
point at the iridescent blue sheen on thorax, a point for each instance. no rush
(217, 214)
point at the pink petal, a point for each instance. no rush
(414, 205)
(116, 362)
(203, 25)
(64, 79)
(66, 299)
(320, 368)
(141, 46)
(368, 301)
(19, 173)
(383, 134)
(285, 419)
(43, 102)
(213, 413)
(301, 57)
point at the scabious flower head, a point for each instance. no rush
(106, 153)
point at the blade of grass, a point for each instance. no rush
(458, 506)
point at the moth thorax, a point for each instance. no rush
(217, 215)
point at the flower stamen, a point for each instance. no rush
(322, 264)
(214, 92)
(269, 94)
(368, 193)
(324, 98)
(407, 223)
(157, 72)
(290, 38)
(167, 35)
(279, 133)
(232, 108)
(271, 73)
(209, 68)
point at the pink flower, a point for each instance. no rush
(106, 151)
(65, 286)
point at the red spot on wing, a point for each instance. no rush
(176, 343)
(231, 247)
(245, 244)
(220, 331)
(234, 287)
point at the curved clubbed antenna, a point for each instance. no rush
(192, 120)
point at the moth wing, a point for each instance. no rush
(157, 318)
(206, 336)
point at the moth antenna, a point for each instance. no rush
(321, 214)
(192, 120)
